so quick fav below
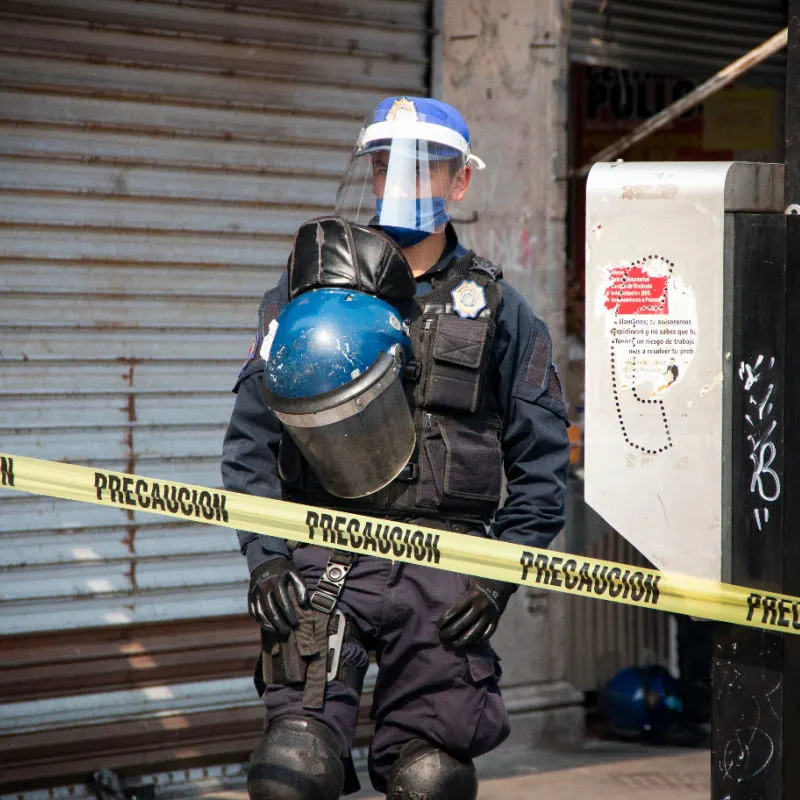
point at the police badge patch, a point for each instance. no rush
(468, 299)
(402, 109)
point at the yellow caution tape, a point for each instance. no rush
(471, 555)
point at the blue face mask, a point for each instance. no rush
(432, 217)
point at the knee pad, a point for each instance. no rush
(296, 759)
(424, 770)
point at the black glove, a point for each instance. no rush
(473, 618)
(276, 590)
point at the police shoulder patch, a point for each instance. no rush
(469, 299)
(251, 352)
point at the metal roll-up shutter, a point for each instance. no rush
(156, 157)
(688, 38)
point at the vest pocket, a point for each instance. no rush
(461, 464)
(473, 460)
(455, 374)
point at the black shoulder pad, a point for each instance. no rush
(331, 252)
(487, 268)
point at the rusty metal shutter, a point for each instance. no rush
(688, 38)
(155, 158)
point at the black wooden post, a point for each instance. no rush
(791, 542)
(756, 675)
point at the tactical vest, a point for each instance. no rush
(456, 468)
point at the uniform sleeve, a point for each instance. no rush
(535, 442)
(250, 447)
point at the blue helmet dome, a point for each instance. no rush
(332, 376)
(327, 338)
(641, 702)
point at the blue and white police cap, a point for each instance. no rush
(421, 118)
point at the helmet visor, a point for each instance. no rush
(401, 181)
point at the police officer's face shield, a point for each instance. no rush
(405, 186)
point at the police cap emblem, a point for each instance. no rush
(468, 299)
(402, 109)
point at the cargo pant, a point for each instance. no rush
(425, 689)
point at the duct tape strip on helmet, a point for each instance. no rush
(447, 550)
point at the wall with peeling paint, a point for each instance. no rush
(503, 64)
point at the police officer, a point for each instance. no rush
(484, 400)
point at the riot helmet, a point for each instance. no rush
(334, 356)
(641, 702)
(411, 163)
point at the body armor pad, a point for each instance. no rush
(332, 253)
(424, 771)
(296, 759)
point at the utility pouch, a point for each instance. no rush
(460, 466)
(456, 372)
(310, 655)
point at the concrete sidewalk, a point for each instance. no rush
(600, 770)
(684, 776)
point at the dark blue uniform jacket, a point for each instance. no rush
(535, 442)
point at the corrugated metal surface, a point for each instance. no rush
(606, 637)
(155, 159)
(691, 38)
(162, 696)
